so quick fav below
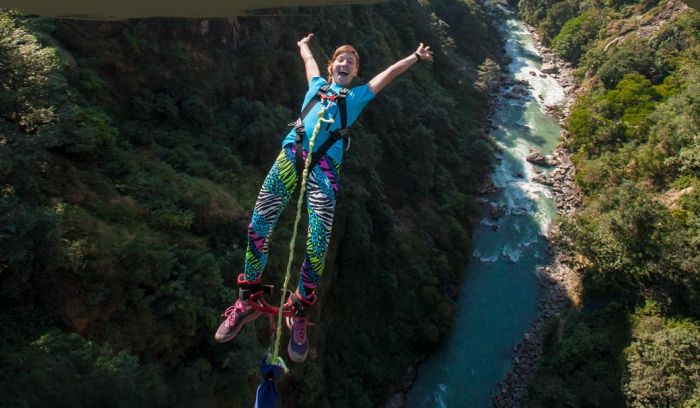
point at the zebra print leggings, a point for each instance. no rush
(277, 189)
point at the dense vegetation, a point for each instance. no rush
(130, 157)
(634, 135)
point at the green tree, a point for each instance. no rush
(488, 74)
(663, 364)
(576, 34)
(557, 15)
(635, 56)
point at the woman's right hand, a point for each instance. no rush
(305, 40)
(308, 57)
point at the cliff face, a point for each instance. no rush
(632, 133)
(131, 156)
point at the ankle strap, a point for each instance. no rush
(300, 304)
(245, 293)
(248, 288)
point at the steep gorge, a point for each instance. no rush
(131, 154)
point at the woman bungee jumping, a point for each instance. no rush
(339, 106)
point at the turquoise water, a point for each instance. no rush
(499, 295)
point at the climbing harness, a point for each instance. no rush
(322, 96)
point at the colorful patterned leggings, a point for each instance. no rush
(277, 189)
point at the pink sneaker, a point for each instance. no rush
(298, 347)
(236, 316)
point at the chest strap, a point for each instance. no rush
(342, 133)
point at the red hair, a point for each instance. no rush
(338, 51)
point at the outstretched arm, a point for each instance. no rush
(383, 78)
(308, 57)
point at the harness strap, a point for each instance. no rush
(338, 134)
(320, 94)
(343, 132)
(300, 133)
(248, 293)
(258, 302)
(341, 106)
(298, 305)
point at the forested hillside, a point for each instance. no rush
(634, 339)
(131, 154)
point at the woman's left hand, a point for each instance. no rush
(424, 52)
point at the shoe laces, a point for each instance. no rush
(234, 311)
(299, 329)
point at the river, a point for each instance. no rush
(500, 292)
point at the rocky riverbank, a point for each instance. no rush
(558, 283)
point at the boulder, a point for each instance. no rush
(542, 180)
(519, 90)
(489, 188)
(496, 211)
(551, 160)
(549, 68)
(534, 156)
(512, 95)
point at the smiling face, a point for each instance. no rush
(344, 69)
(344, 65)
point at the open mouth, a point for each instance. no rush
(342, 73)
